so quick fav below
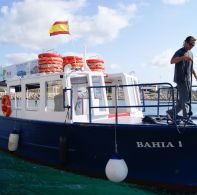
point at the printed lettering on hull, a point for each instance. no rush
(161, 144)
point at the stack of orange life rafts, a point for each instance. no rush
(76, 62)
(96, 65)
(49, 63)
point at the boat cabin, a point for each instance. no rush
(75, 96)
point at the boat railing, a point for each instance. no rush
(168, 99)
(194, 99)
(143, 105)
(175, 92)
(158, 103)
(69, 102)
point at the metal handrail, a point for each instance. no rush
(130, 106)
(158, 97)
(158, 105)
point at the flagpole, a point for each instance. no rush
(85, 63)
(72, 43)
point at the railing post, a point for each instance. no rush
(90, 106)
(71, 104)
(142, 91)
(67, 106)
(158, 101)
(116, 105)
(173, 104)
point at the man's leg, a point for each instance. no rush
(184, 97)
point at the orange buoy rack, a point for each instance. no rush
(96, 65)
(6, 105)
(50, 62)
(76, 62)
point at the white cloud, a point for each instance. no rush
(15, 58)
(27, 23)
(161, 60)
(159, 68)
(108, 22)
(175, 2)
(114, 67)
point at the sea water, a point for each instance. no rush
(19, 177)
(162, 107)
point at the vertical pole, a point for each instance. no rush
(173, 103)
(90, 109)
(116, 105)
(158, 101)
(71, 103)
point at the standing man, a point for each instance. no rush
(183, 60)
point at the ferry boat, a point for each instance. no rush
(80, 119)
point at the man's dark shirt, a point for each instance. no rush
(183, 69)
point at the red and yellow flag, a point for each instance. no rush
(59, 27)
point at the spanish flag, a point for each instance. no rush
(59, 27)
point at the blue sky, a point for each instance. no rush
(129, 35)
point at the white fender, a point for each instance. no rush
(116, 169)
(13, 142)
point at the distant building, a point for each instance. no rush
(149, 88)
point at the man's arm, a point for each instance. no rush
(176, 60)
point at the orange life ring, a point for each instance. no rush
(94, 61)
(52, 59)
(6, 105)
(72, 58)
(40, 62)
(48, 55)
(49, 70)
(72, 61)
(50, 66)
(96, 66)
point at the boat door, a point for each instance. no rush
(80, 97)
(80, 107)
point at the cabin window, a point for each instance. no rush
(134, 94)
(16, 95)
(80, 95)
(117, 97)
(98, 92)
(54, 96)
(32, 96)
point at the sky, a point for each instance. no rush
(138, 36)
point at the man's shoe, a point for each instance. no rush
(190, 122)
